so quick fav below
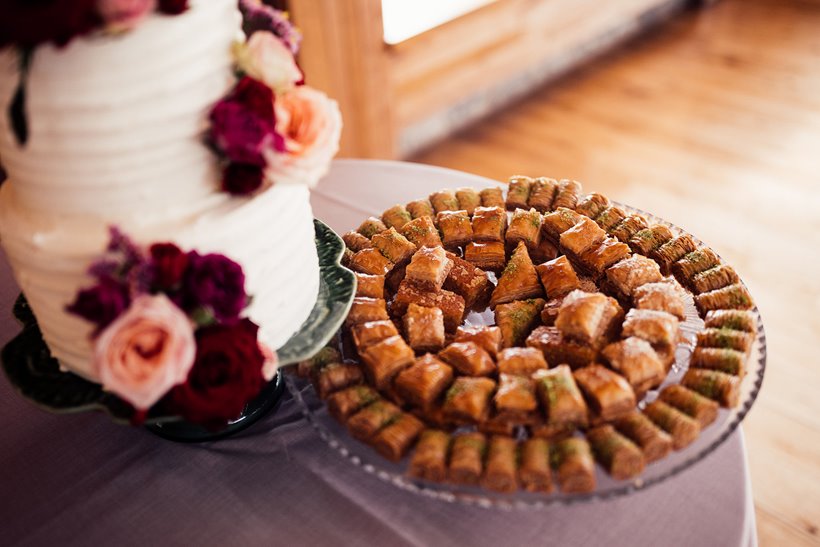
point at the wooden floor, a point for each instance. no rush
(712, 122)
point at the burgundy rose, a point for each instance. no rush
(173, 7)
(227, 374)
(241, 179)
(216, 284)
(102, 303)
(168, 264)
(243, 124)
(29, 23)
(256, 97)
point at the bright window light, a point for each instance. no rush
(404, 19)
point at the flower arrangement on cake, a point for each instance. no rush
(148, 292)
(169, 331)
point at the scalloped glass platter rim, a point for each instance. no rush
(26, 360)
(711, 438)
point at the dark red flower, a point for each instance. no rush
(168, 265)
(256, 97)
(173, 7)
(29, 23)
(241, 179)
(243, 124)
(215, 283)
(227, 374)
(102, 303)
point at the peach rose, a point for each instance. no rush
(311, 125)
(266, 58)
(122, 15)
(145, 351)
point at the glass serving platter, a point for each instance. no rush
(676, 462)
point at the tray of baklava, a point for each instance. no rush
(532, 344)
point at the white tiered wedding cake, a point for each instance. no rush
(117, 134)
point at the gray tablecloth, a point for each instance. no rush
(81, 480)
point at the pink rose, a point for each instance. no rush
(311, 125)
(266, 58)
(121, 15)
(146, 351)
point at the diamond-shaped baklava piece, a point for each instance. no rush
(468, 199)
(396, 217)
(468, 358)
(581, 237)
(490, 256)
(596, 259)
(422, 232)
(451, 304)
(630, 273)
(370, 261)
(489, 224)
(383, 360)
(424, 381)
(397, 248)
(356, 241)
(521, 361)
(424, 328)
(344, 403)
(517, 319)
(525, 226)
(515, 397)
(637, 361)
(364, 310)
(558, 222)
(428, 269)
(608, 393)
(469, 398)
(591, 318)
(468, 281)
(558, 277)
(519, 279)
(455, 227)
(666, 295)
(557, 349)
(444, 200)
(488, 337)
(560, 397)
(371, 226)
(369, 286)
(367, 422)
(367, 334)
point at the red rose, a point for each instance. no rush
(28, 23)
(216, 284)
(241, 179)
(173, 7)
(256, 97)
(168, 264)
(226, 375)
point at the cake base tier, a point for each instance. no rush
(36, 375)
